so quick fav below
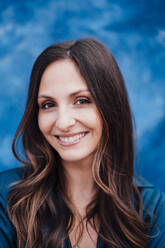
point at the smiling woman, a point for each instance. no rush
(68, 117)
(76, 187)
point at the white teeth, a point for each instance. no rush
(72, 139)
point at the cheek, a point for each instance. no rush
(99, 128)
(45, 122)
(97, 124)
(92, 120)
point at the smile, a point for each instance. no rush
(70, 140)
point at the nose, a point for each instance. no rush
(65, 120)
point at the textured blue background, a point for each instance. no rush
(135, 33)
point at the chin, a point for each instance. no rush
(74, 158)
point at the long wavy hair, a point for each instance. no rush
(38, 206)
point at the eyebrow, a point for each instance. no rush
(71, 95)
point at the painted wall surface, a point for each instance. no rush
(134, 31)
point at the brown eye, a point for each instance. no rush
(47, 105)
(83, 100)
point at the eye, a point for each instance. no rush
(83, 100)
(47, 105)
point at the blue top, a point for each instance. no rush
(153, 210)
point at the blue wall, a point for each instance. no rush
(135, 33)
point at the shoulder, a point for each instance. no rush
(152, 197)
(153, 212)
(8, 177)
(7, 231)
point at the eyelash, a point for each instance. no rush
(47, 105)
(83, 100)
(79, 101)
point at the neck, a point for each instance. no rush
(80, 184)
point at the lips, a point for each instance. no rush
(70, 139)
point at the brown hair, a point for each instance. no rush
(40, 196)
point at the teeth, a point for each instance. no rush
(72, 139)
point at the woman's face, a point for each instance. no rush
(68, 117)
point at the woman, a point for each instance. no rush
(76, 188)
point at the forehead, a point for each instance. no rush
(62, 76)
